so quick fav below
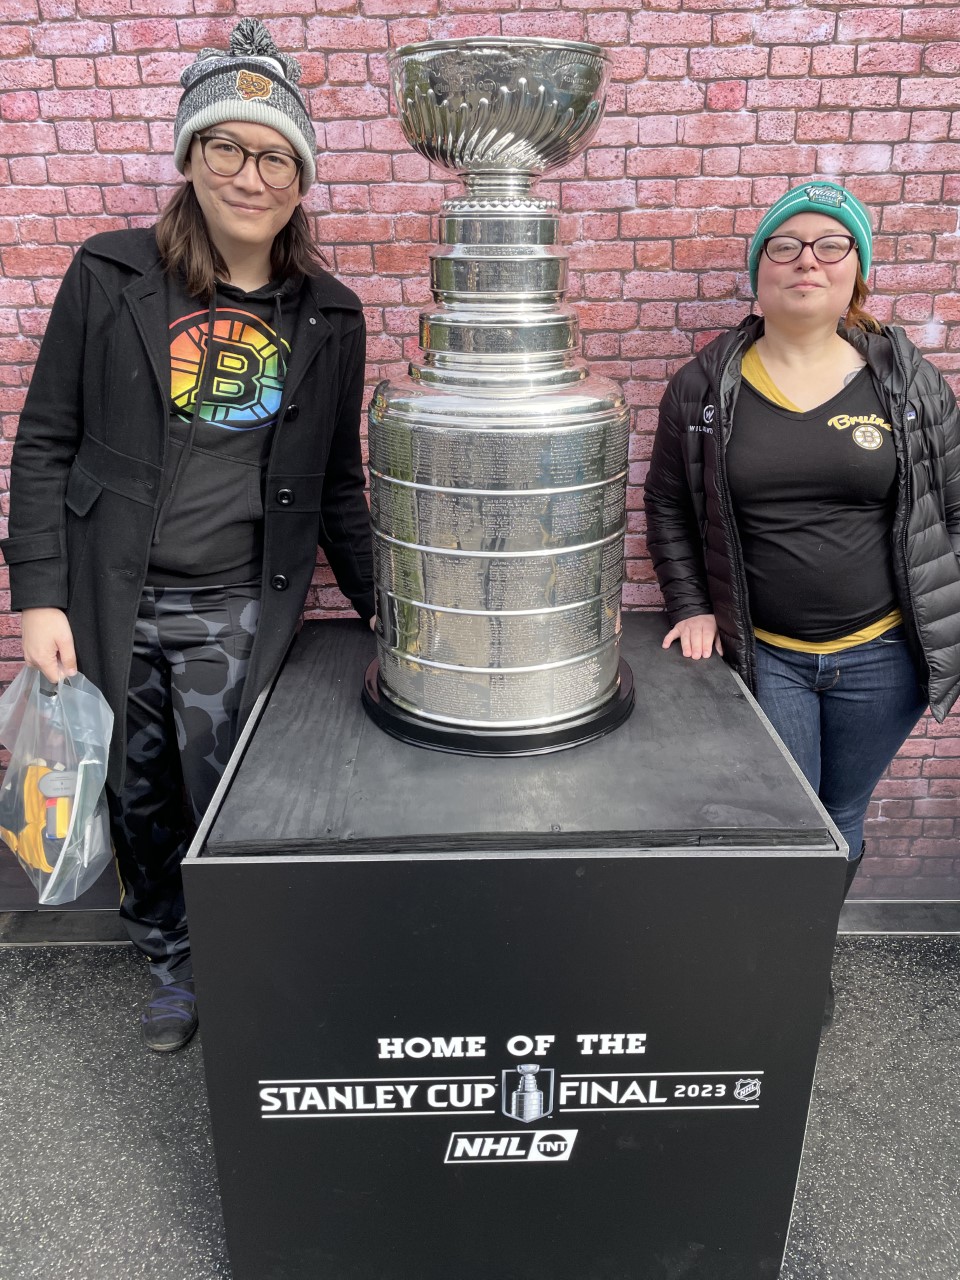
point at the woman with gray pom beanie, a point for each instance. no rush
(191, 433)
(803, 507)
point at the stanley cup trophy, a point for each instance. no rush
(498, 466)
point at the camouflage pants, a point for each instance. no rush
(190, 656)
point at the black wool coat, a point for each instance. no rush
(692, 536)
(88, 461)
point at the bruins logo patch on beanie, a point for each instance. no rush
(250, 85)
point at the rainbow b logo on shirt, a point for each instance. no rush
(247, 384)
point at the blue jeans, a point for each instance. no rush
(843, 717)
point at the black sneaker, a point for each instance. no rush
(170, 1017)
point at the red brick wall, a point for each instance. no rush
(716, 106)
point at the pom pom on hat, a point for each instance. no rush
(251, 39)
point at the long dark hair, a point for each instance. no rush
(187, 250)
(857, 317)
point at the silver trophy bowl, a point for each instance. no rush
(499, 105)
(498, 465)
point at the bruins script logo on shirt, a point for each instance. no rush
(867, 428)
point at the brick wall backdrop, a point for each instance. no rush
(716, 107)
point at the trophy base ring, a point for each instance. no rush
(495, 741)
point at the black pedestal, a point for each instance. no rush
(385, 936)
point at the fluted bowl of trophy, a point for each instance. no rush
(499, 106)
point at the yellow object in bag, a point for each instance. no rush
(47, 797)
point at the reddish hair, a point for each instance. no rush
(857, 317)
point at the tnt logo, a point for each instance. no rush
(510, 1147)
(552, 1146)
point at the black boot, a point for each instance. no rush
(853, 866)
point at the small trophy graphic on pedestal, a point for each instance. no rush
(527, 1102)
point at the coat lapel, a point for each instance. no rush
(311, 332)
(147, 299)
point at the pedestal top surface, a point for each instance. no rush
(694, 765)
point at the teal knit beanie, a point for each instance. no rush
(815, 197)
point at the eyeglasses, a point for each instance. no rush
(225, 158)
(783, 249)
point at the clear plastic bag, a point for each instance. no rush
(53, 809)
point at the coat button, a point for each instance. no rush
(285, 497)
(279, 582)
(292, 412)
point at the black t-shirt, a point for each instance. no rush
(211, 529)
(813, 498)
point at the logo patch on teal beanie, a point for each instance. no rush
(826, 195)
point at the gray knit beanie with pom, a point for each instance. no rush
(251, 82)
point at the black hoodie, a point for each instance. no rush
(224, 400)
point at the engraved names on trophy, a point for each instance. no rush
(533, 458)
(479, 582)
(509, 697)
(536, 637)
(497, 522)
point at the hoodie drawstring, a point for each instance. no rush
(203, 391)
(278, 330)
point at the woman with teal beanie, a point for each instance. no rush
(803, 507)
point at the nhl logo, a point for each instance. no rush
(527, 1092)
(747, 1090)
